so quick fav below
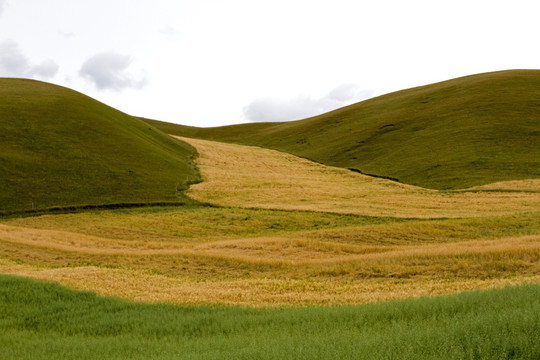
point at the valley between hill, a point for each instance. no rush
(287, 231)
(99, 200)
(269, 227)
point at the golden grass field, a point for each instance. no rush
(247, 176)
(287, 232)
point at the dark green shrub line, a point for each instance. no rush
(183, 201)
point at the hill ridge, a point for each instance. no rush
(454, 134)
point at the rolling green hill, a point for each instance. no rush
(60, 148)
(454, 134)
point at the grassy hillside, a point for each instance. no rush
(61, 148)
(253, 177)
(46, 321)
(454, 134)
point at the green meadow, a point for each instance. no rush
(46, 321)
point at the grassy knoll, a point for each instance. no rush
(455, 134)
(60, 148)
(206, 255)
(46, 321)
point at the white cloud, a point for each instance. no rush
(168, 31)
(2, 6)
(108, 70)
(349, 93)
(13, 63)
(66, 34)
(45, 70)
(300, 107)
(12, 60)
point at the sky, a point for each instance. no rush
(212, 63)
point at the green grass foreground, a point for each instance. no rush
(46, 321)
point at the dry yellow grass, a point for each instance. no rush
(293, 249)
(145, 286)
(247, 176)
(268, 257)
(515, 185)
(266, 270)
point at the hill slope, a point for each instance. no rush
(253, 177)
(454, 134)
(61, 148)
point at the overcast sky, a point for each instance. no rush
(209, 63)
